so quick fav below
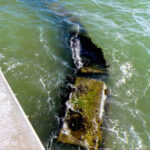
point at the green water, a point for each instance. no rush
(35, 62)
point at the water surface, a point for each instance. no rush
(35, 62)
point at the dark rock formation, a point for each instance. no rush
(83, 107)
(83, 100)
(85, 53)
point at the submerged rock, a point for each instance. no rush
(84, 52)
(92, 70)
(82, 103)
(84, 114)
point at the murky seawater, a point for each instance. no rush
(35, 62)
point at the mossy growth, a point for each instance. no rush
(83, 117)
(91, 70)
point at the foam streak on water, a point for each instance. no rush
(75, 46)
(76, 49)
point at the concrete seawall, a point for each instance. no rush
(16, 132)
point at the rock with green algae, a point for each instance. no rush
(92, 70)
(84, 113)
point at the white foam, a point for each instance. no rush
(76, 50)
(69, 104)
(65, 129)
(127, 72)
(96, 126)
(125, 69)
(85, 143)
(1, 56)
(41, 35)
(12, 65)
(137, 140)
(102, 104)
(41, 80)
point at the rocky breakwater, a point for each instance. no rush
(84, 107)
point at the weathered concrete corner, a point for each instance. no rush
(84, 113)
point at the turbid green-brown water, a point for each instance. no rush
(35, 62)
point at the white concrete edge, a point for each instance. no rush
(22, 111)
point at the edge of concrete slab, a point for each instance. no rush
(22, 114)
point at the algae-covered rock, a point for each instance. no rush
(84, 113)
(92, 70)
